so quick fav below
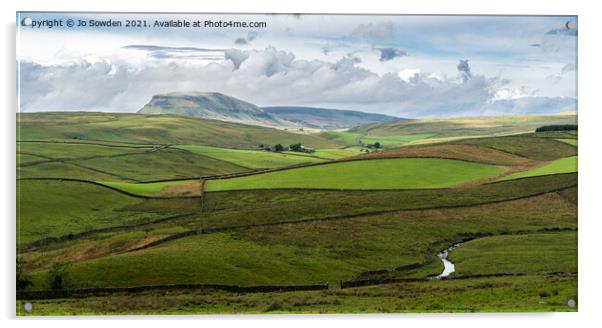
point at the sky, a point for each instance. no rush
(406, 66)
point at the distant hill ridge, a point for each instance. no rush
(214, 105)
(329, 119)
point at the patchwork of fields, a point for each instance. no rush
(119, 200)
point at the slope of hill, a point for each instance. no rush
(328, 119)
(156, 129)
(211, 105)
(466, 126)
(419, 131)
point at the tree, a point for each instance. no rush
(377, 145)
(22, 280)
(57, 276)
(295, 147)
(278, 147)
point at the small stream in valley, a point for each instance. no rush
(448, 266)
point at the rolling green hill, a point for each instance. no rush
(313, 252)
(445, 129)
(155, 129)
(116, 200)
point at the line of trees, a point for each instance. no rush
(298, 147)
(560, 127)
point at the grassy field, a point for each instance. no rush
(407, 173)
(316, 252)
(465, 126)
(252, 159)
(530, 146)
(383, 214)
(64, 151)
(351, 138)
(334, 153)
(493, 294)
(472, 153)
(343, 137)
(393, 141)
(303, 204)
(563, 165)
(569, 141)
(239, 208)
(82, 207)
(158, 188)
(528, 253)
(155, 129)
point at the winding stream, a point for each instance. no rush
(448, 266)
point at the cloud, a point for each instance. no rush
(387, 54)
(408, 74)
(252, 35)
(236, 57)
(243, 41)
(530, 105)
(567, 71)
(536, 45)
(269, 77)
(374, 32)
(162, 52)
(346, 62)
(464, 69)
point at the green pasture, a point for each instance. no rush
(314, 252)
(252, 159)
(528, 253)
(343, 137)
(148, 188)
(335, 153)
(529, 146)
(163, 164)
(397, 173)
(56, 208)
(316, 223)
(156, 129)
(393, 141)
(236, 208)
(74, 150)
(569, 141)
(533, 293)
(465, 126)
(563, 165)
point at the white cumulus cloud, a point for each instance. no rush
(272, 77)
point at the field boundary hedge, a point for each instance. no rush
(87, 292)
(384, 281)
